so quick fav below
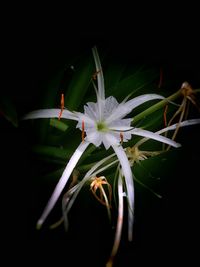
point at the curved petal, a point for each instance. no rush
(91, 109)
(171, 128)
(126, 170)
(109, 139)
(94, 137)
(181, 124)
(99, 71)
(110, 105)
(155, 136)
(119, 222)
(125, 108)
(50, 113)
(135, 102)
(62, 182)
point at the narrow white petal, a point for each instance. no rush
(135, 102)
(126, 169)
(100, 78)
(171, 128)
(125, 108)
(155, 136)
(182, 124)
(50, 113)
(62, 182)
(119, 222)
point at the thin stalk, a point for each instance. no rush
(157, 106)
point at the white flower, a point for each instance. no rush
(104, 123)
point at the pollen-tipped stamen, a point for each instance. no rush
(94, 76)
(102, 198)
(83, 131)
(62, 104)
(165, 115)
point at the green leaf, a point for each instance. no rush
(112, 77)
(58, 124)
(51, 151)
(79, 83)
(50, 99)
(138, 81)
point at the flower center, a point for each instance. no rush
(102, 127)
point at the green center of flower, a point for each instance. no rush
(102, 127)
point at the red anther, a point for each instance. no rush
(62, 105)
(165, 115)
(62, 101)
(94, 76)
(83, 131)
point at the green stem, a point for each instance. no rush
(160, 105)
(156, 106)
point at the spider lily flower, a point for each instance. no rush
(104, 123)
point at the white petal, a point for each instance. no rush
(88, 122)
(110, 105)
(121, 125)
(126, 169)
(100, 79)
(125, 108)
(155, 136)
(91, 110)
(94, 137)
(109, 139)
(135, 102)
(119, 221)
(50, 113)
(126, 136)
(182, 124)
(117, 114)
(170, 128)
(62, 182)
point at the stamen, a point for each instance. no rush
(94, 76)
(165, 115)
(98, 183)
(62, 104)
(83, 131)
(121, 138)
(187, 89)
